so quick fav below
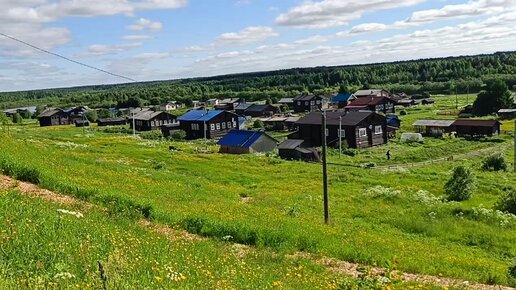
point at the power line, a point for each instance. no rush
(66, 58)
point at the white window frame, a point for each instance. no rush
(312, 103)
(318, 102)
(234, 124)
(342, 133)
(307, 103)
(378, 130)
(299, 103)
(223, 124)
(218, 126)
(362, 132)
(212, 127)
(229, 125)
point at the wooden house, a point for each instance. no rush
(77, 113)
(208, 124)
(228, 104)
(82, 123)
(275, 123)
(151, 120)
(289, 102)
(374, 104)
(54, 117)
(371, 93)
(471, 127)
(293, 149)
(341, 100)
(359, 129)
(507, 113)
(171, 106)
(433, 128)
(308, 103)
(256, 110)
(212, 102)
(241, 108)
(102, 122)
(244, 142)
(427, 101)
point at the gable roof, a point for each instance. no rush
(286, 100)
(476, 123)
(369, 92)
(502, 111)
(200, 115)
(291, 144)
(332, 118)
(306, 98)
(243, 106)
(342, 97)
(260, 108)
(149, 115)
(242, 138)
(50, 113)
(230, 101)
(434, 123)
(366, 101)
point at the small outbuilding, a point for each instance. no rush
(151, 120)
(82, 123)
(507, 113)
(470, 127)
(292, 149)
(54, 117)
(433, 128)
(103, 122)
(245, 142)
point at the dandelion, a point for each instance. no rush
(157, 278)
(76, 214)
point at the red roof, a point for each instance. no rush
(476, 123)
(367, 101)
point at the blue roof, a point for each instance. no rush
(200, 115)
(240, 138)
(342, 97)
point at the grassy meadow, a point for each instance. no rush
(390, 218)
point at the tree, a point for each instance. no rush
(507, 202)
(496, 96)
(344, 87)
(258, 124)
(17, 119)
(4, 120)
(461, 184)
(39, 109)
(92, 115)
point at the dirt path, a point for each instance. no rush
(334, 265)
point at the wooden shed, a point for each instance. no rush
(292, 149)
(245, 142)
(54, 117)
(111, 122)
(471, 127)
(433, 128)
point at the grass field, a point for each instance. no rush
(390, 218)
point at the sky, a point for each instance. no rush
(168, 39)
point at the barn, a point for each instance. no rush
(54, 117)
(102, 122)
(152, 120)
(245, 142)
(292, 149)
(470, 127)
(208, 124)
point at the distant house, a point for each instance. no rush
(82, 123)
(21, 111)
(228, 104)
(393, 125)
(54, 117)
(256, 110)
(169, 129)
(427, 101)
(289, 102)
(374, 104)
(308, 103)
(275, 123)
(371, 93)
(212, 102)
(507, 113)
(210, 124)
(102, 122)
(171, 106)
(359, 129)
(77, 113)
(292, 149)
(406, 102)
(244, 142)
(342, 99)
(151, 120)
(433, 128)
(241, 108)
(470, 127)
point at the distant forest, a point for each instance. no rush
(436, 76)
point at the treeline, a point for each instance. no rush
(443, 75)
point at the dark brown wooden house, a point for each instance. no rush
(54, 117)
(374, 104)
(256, 110)
(307, 103)
(111, 122)
(470, 127)
(293, 149)
(245, 142)
(151, 120)
(359, 129)
(210, 124)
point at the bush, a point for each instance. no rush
(178, 135)
(152, 135)
(350, 151)
(258, 124)
(403, 113)
(507, 202)
(461, 184)
(495, 162)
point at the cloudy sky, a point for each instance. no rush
(167, 39)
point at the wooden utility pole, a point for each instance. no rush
(514, 145)
(340, 136)
(325, 169)
(134, 126)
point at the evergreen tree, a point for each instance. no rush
(496, 96)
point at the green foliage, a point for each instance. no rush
(507, 202)
(17, 119)
(152, 135)
(461, 184)
(403, 113)
(258, 124)
(495, 162)
(178, 135)
(496, 96)
(92, 116)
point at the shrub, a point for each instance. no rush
(461, 184)
(178, 135)
(403, 113)
(507, 202)
(495, 162)
(152, 135)
(512, 271)
(258, 124)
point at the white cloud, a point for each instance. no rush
(248, 35)
(104, 49)
(329, 13)
(145, 24)
(367, 27)
(137, 37)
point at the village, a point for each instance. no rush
(292, 126)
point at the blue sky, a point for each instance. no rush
(167, 39)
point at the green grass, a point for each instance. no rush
(202, 193)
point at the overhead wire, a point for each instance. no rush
(66, 58)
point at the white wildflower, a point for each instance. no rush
(380, 191)
(64, 275)
(76, 214)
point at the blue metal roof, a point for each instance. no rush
(200, 115)
(342, 97)
(240, 138)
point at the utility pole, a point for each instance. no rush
(456, 100)
(134, 126)
(514, 145)
(340, 136)
(467, 96)
(325, 169)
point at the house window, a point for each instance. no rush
(229, 125)
(378, 130)
(306, 103)
(223, 125)
(195, 127)
(312, 103)
(326, 132)
(362, 132)
(218, 126)
(234, 124)
(299, 103)
(212, 127)
(318, 102)
(342, 133)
